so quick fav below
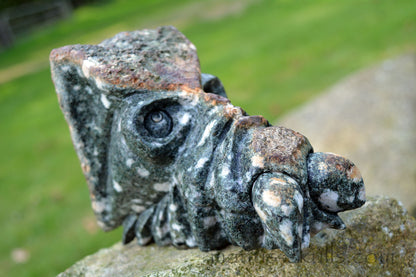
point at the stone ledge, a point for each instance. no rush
(380, 239)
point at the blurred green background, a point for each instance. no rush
(272, 56)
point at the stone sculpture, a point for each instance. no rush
(168, 157)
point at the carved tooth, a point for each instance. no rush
(128, 228)
(143, 226)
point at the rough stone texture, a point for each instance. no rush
(380, 240)
(370, 117)
(168, 157)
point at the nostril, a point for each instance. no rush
(354, 174)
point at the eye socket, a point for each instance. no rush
(158, 123)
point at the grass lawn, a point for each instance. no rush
(271, 56)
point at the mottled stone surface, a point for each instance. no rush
(380, 241)
(369, 117)
(167, 156)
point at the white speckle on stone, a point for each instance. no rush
(261, 214)
(129, 162)
(95, 153)
(100, 83)
(190, 241)
(404, 211)
(210, 221)
(161, 216)
(232, 110)
(192, 46)
(98, 129)
(206, 133)
(402, 251)
(386, 231)
(211, 182)
(183, 46)
(104, 100)
(156, 144)
(351, 199)
(328, 199)
(137, 201)
(117, 186)
(184, 119)
(361, 194)
(201, 162)
(173, 207)
(86, 65)
(144, 241)
(98, 207)
(322, 166)
(88, 90)
(143, 172)
(162, 186)
(77, 87)
(306, 240)
(176, 227)
(225, 171)
(123, 141)
(299, 200)
(119, 126)
(402, 228)
(291, 181)
(285, 229)
(286, 209)
(257, 161)
(138, 208)
(65, 68)
(193, 196)
(300, 230)
(187, 99)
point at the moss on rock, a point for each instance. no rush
(380, 239)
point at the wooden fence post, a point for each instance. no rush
(18, 20)
(6, 33)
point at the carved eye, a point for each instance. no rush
(158, 123)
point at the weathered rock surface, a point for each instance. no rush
(380, 239)
(370, 117)
(169, 158)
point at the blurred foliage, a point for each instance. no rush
(272, 56)
(13, 4)
(7, 4)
